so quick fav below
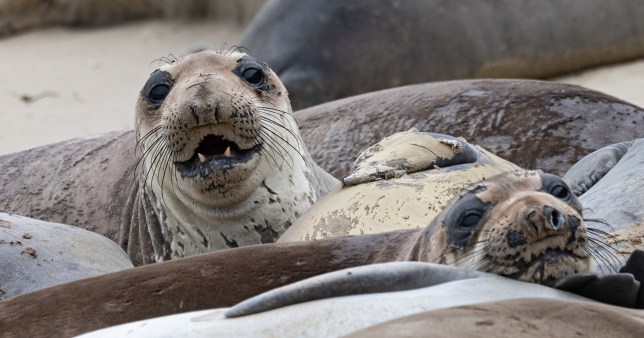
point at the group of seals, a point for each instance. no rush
(540, 238)
(328, 49)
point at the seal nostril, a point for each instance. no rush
(554, 217)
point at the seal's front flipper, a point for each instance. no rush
(409, 152)
(621, 289)
(375, 278)
(590, 169)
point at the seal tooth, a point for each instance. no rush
(202, 158)
(227, 152)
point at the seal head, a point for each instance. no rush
(525, 225)
(222, 156)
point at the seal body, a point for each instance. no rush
(363, 46)
(401, 182)
(36, 255)
(609, 184)
(220, 164)
(534, 124)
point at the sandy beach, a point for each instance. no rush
(65, 83)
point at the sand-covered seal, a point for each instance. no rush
(36, 255)
(401, 182)
(328, 49)
(220, 164)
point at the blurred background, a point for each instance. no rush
(72, 68)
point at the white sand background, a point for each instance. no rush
(59, 83)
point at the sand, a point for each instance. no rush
(59, 84)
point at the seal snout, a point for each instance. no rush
(548, 218)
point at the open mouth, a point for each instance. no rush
(215, 153)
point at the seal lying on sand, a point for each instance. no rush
(328, 49)
(222, 165)
(527, 223)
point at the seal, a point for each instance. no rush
(609, 182)
(220, 164)
(344, 315)
(401, 182)
(223, 161)
(37, 255)
(489, 217)
(534, 124)
(437, 40)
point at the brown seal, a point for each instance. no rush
(528, 223)
(516, 318)
(535, 124)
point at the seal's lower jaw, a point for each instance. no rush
(550, 266)
(215, 154)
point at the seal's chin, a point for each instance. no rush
(215, 153)
(550, 266)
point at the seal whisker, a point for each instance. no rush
(277, 124)
(271, 142)
(281, 138)
(274, 136)
(149, 149)
(272, 148)
(606, 252)
(289, 129)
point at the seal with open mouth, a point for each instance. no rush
(223, 164)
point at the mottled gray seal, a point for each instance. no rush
(534, 124)
(609, 184)
(221, 164)
(36, 254)
(329, 49)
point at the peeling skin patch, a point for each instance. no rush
(5, 224)
(30, 251)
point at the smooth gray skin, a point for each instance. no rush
(374, 278)
(36, 254)
(328, 49)
(619, 289)
(609, 183)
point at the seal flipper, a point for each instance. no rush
(409, 152)
(621, 289)
(590, 169)
(375, 278)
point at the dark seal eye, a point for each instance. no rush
(559, 191)
(470, 219)
(159, 92)
(157, 88)
(254, 76)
